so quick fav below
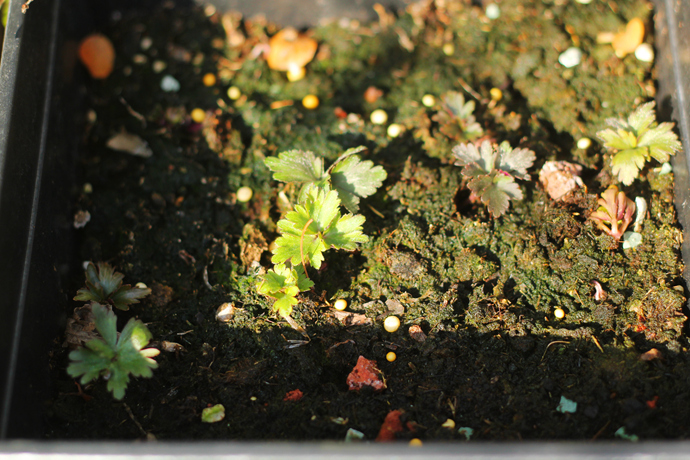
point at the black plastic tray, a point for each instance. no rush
(39, 130)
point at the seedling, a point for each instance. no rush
(113, 357)
(283, 284)
(104, 285)
(616, 210)
(637, 140)
(492, 170)
(316, 224)
(456, 119)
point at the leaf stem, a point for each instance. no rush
(301, 247)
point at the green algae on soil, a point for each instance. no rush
(493, 357)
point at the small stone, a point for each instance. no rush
(651, 355)
(365, 374)
(129, 143)
(351, 319)
(560, 178)
(81, 218)
(169, 84)
(225, 312)
(146, 43)
(171, 347)
(390, 427)
(139, 59)
(416, 333)
(570, 57)
(294, 395)
(340, 304)
(213, 414)
(372, 94)
(159, 66)
(626, 42)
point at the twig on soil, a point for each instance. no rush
(136, 422)
(601, 430)
(133, 112)
(596, 342)
(552, 343)
(205, 276)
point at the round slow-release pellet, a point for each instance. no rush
(391, 324)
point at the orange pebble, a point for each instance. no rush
(97, 53)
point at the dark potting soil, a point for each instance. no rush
(493, 356)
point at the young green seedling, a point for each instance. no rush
(492, 170)
(637, 140)
(104, 285)
(113, 357)
(316, 224)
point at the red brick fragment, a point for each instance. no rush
(294, 395)
(365, 374)
(390, 427)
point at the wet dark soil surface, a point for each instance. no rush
(493, 356)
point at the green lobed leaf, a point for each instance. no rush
(346, 233)
(642, 118)
(354, 179)
(617, 140)
(626, 164)
(106, 324)
(515, 161)
(127, 295)
(496, 190)
(108, 278)
(661, 141)
(297, 166)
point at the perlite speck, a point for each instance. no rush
(169, 84)
(570, 57)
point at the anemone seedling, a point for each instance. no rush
(456, 119)
(104, 285)
(491, 170)
(636, 140)
(112, 357)
(614, 213)
(316, 224)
